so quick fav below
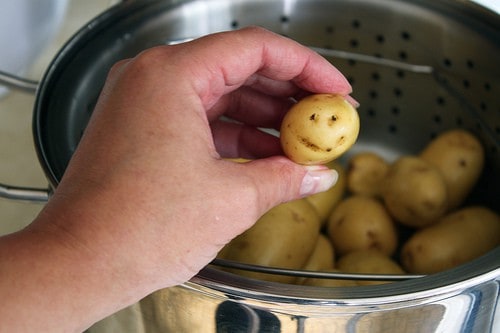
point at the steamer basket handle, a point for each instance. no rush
(28, 194)
(37, 195)
(18, 83)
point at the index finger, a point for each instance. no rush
(224, 61)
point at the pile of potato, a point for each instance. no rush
(406, 216)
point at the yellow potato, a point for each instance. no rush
(318, 129)
(321, 282)
(361, 223)
(457, 238)
(460, 157)
(414, 192)
(283, 237)
(365, 173)
(325, 202)
(370, 262)
(321, 258)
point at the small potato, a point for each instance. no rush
(365, 173)
(370, 262)
(318, 129)
(362, 223)
(283, 237)
(322, 257)
(414, 192)
(457, 238)
(325, 202)
(460, 157)
(321, 282)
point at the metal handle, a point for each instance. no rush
(313, 274)
(37, 195)
(29, 194)
(18, 83)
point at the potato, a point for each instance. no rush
(283, 237)
(321, 282)
(325, 202)
(460, 157)
(318, 129)
(370, 262)
(365, 173)
(361, 223)
(414, 192)
(457, 238)
(322, 257)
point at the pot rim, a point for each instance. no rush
(439, 285)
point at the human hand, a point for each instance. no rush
(150, 161)
(148, 197)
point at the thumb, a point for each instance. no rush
(278, 180)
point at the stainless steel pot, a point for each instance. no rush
(417, 67)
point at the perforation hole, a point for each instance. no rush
(405, 35)
(380, 39)
(393, 129)
(398, 92)
(437, 119)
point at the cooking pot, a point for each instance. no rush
(417, 67)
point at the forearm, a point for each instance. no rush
(54, 284)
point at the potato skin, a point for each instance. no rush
(365, 173)
(459, 156)
(414, 192)
(318, 129)
(362, 223)
(368, 261)
(456, 239)
(325, 202)
(322, 257)
(283, 237)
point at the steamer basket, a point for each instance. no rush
(443, 73)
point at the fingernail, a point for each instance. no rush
(352, 101)
(317, 179)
